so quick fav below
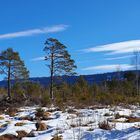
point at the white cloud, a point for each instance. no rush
(109, 67)
(38, 58)
(52, 29)
(117, 48)
(121, 57)
(42, 58)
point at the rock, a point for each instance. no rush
(8, 137)
(21, 134)
(41, 126)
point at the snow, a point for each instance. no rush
(81, 125)
(98, 134)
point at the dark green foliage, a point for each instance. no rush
(31, 93)
(11, 60)
(83, 94)
(60, 61)
(12, 67)
(130, 76)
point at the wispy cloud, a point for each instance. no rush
(51, 29)
(38, 58)
(109, 67)
(116, 48)
(121, 57)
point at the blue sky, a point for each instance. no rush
(100, 34)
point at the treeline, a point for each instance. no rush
(79, 94)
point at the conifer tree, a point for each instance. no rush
(60, 61)
(12, 67)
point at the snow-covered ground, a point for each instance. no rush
(76, 124)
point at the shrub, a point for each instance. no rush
(132, 119)
(11, 111)
(57, 137)
(39, 112)
(105, 125)
(117, 116)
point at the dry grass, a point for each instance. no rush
(19, 124)
(21, 134)
(116, 121)
(42, 115)
(1, 118)
(132, 119)
(105, 125)
(56, 137)
(11, 111)
(129, 119)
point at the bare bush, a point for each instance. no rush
(105, 125)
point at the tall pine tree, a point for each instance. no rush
(60, 61)
(12, 67)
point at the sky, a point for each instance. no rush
(100, 35)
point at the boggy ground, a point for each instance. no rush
(90, 123)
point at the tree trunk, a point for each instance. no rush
(9, 84)
(137, 75)
(136, 58)
(137, 82)
(51, 78)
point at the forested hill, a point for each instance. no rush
(94, 78)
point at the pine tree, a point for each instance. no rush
(60, 61)
(12, 67)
